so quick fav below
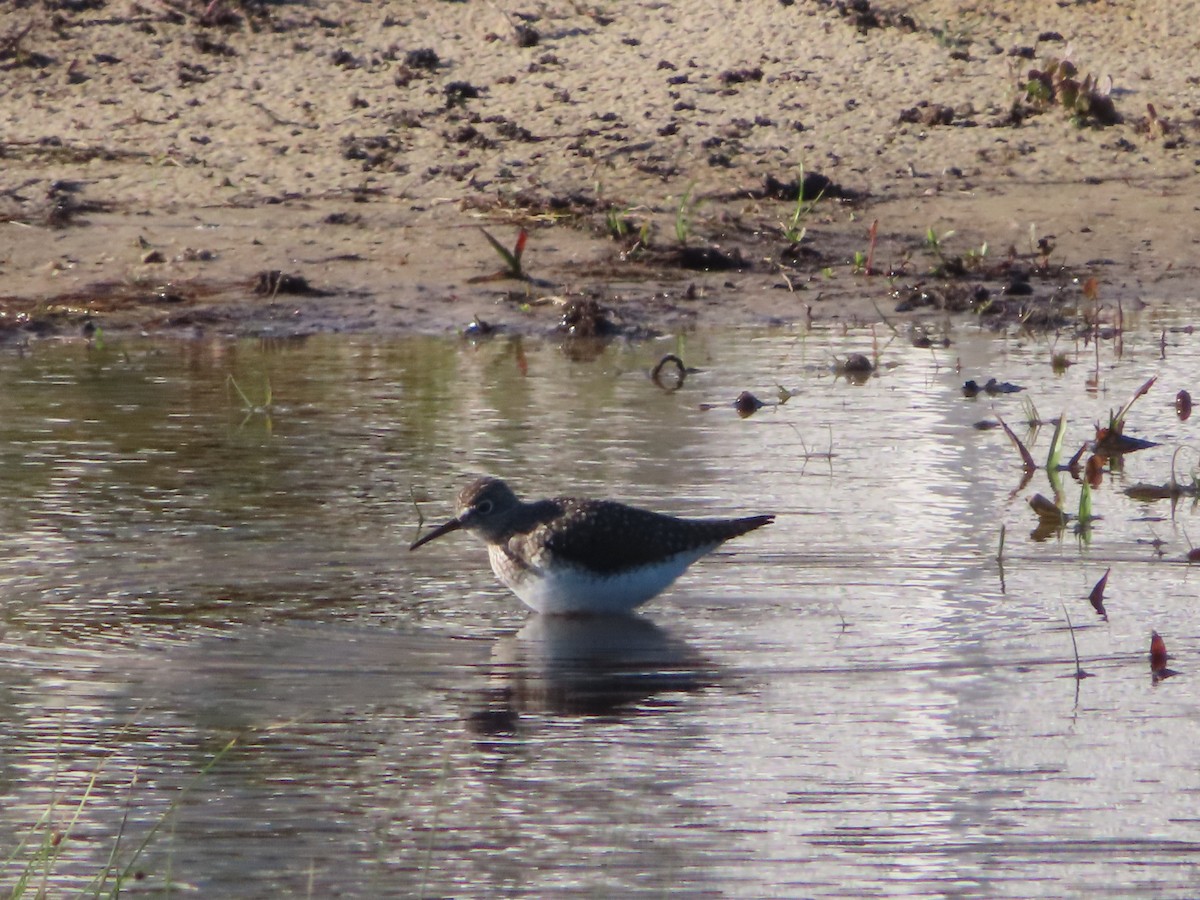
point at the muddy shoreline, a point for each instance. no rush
(162, 161)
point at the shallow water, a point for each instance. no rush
(856, 701)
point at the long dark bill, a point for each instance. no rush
(452, 525)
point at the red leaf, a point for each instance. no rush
(519, 247)
(1091, 289)
(1097, 594)
(1158, 653)
(1030, 465)
(1118, 423)
(1183, 405)
(1095, 470)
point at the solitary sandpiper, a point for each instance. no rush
(570, 555)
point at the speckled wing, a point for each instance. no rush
(608, 537)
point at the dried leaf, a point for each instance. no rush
(1030, 465)
(1097, 595)
(1073, 463)
(1158, 653)
(1091, 288)
(1183, 405)
(1095, 470)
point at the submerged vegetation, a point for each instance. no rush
(34, 863)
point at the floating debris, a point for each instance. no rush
(857, 362)
(1183, 406)
(1096, 597)
(711, 259)
(1158, 658)
(274, 282)
(584, 317)
(1112, 443)
(479, 328)
(992, 387)
(855, 368)
(747, 404)
(1170, 491)
(669, 382)
(1047, 510)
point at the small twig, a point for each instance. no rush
(1079, 673)
(412, 495)
(9, 44)
(279, 120)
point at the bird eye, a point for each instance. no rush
(483, 507)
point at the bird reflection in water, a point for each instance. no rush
(584, 666)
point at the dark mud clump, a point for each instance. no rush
(275, 282)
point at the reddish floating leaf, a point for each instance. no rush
(1183, 405)
(1095, 470)
(1194, 554)
(1030, 465)
(1158, 653)
(1091, 288)
(1118, 422)
(1097, 595)
(1073, 464)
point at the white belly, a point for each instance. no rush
(568, 589)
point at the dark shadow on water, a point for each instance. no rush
(584, 666)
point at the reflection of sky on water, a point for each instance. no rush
(847, 702)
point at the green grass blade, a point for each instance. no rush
(237, 387)
(1056, 442)
(128, 871)
(514, 264)
(1085, 504)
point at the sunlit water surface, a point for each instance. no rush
(207, 542)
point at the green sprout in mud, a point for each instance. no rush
(512, 258)
(934, 243)
(620, 226)
(684, 212)
(617, 223)
(859, 263)
(795, 229)
(975, 258)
